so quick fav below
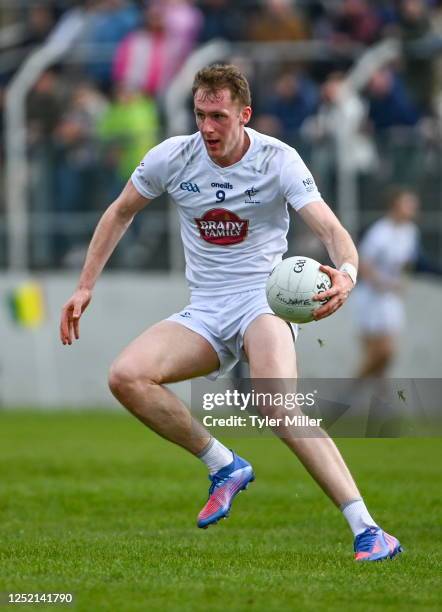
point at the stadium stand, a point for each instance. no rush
(124, 57)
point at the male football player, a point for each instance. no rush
(389, 247)
(231, 186)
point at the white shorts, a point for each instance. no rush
(378, 313)
(223, 320)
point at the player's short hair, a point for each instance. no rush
(224, 76)
(393, 193)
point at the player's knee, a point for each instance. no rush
(125, 378)
(119, 379)
(385, 355)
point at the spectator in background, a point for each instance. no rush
(319, 14)
(414, 19)
(222, 19)
(40, 20)
(294, 99)
(45, 105)
(387, 12)
(388, 248)
(395, 121)
(128, 127)
(110, 22)
(436, 30)
(147, 59)
(277, 21)
(77, 149)
(414, 24)
(339, 106)
(77, 158)
(356, 21)
(390, 104)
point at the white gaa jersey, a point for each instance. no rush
(388, 247)
(234, 220)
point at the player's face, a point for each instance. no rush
(221, 122)
(406, 207)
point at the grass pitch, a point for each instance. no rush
(94, 504)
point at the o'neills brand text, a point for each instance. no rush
(223, 227)
(222, 185)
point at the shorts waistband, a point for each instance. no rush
(221, 293)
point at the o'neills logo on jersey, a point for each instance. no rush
(221, 226)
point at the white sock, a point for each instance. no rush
(216, 456)
(357, 515)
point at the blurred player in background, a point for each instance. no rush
(231, 186)
(389, 248)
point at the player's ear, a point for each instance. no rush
(246, 114)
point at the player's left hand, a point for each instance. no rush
(336, 295)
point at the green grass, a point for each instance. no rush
(94, 504)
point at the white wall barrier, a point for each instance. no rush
(36, 370)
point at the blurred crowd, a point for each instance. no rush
(90, 121)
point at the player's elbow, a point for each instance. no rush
(121, 213)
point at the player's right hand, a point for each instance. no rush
(71, 313)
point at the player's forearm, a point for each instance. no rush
(110, 229)
(326, 226)
(341, 247)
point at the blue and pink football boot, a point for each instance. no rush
(373, 544)
(226, 484)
